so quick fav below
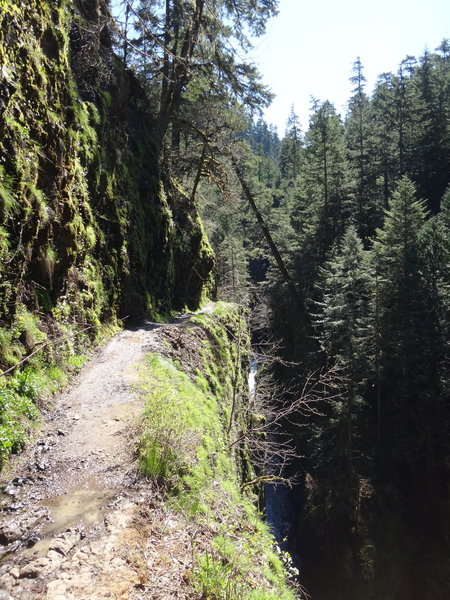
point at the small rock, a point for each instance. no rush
(48, 444)
(33, 569)
(15, 572)
(76, 417)
(66, 542)
(56, 589)
(41, 466)
(11, 533)
(41, 566)
(32, 540)
(14, 507)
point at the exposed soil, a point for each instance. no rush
(77, 520)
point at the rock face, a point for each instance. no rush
(90, 225)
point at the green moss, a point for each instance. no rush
(224, 351)
(90, 236)
(106, 100)
(176, 418)
(232, 568)
(7, 8)
(4, 242)
(10, 350)
(267, 595)
(27, 324)
(185, 446)
(81, 194)
(7, 198)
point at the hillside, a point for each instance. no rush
(139, 181)
(92, 226)
(81, 522)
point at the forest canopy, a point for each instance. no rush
(138, 177)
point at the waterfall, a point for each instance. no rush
(278, 499)
(252, 377)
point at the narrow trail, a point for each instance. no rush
(69, 524)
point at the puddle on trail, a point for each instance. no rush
(69, 509)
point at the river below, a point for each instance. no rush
(278, 498)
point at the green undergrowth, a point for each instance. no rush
(37, 357)
(20, 396)
(186, 447)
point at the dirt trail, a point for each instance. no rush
(69, 526)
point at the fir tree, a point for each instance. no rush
(291, 150)
(338, 469)
(362, 168)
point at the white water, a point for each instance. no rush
(278, 504)
(252, 377)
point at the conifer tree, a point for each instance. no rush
(291, 149)
(338, 466)
(184, 51)
(323, 205)
(384, 146)
(433, 419)
(430, 159)
(413, 331)
(401, 303)
(362, 171)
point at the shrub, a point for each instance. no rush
(171, 437)
(215, 578)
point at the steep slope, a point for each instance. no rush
(89, 231)
(189, 531)
(92, 227)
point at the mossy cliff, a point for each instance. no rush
(195, 444)
(92, 226)
(90, 229)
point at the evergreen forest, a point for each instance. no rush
(138, 177)
(357, 207)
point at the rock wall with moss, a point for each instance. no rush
(90, 229)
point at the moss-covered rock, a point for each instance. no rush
(197, 406)
(92, 227)
(87, 221)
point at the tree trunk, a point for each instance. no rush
(295, 292)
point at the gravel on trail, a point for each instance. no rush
(74, 512)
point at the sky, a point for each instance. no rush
(310, 47)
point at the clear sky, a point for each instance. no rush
(309, 48)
